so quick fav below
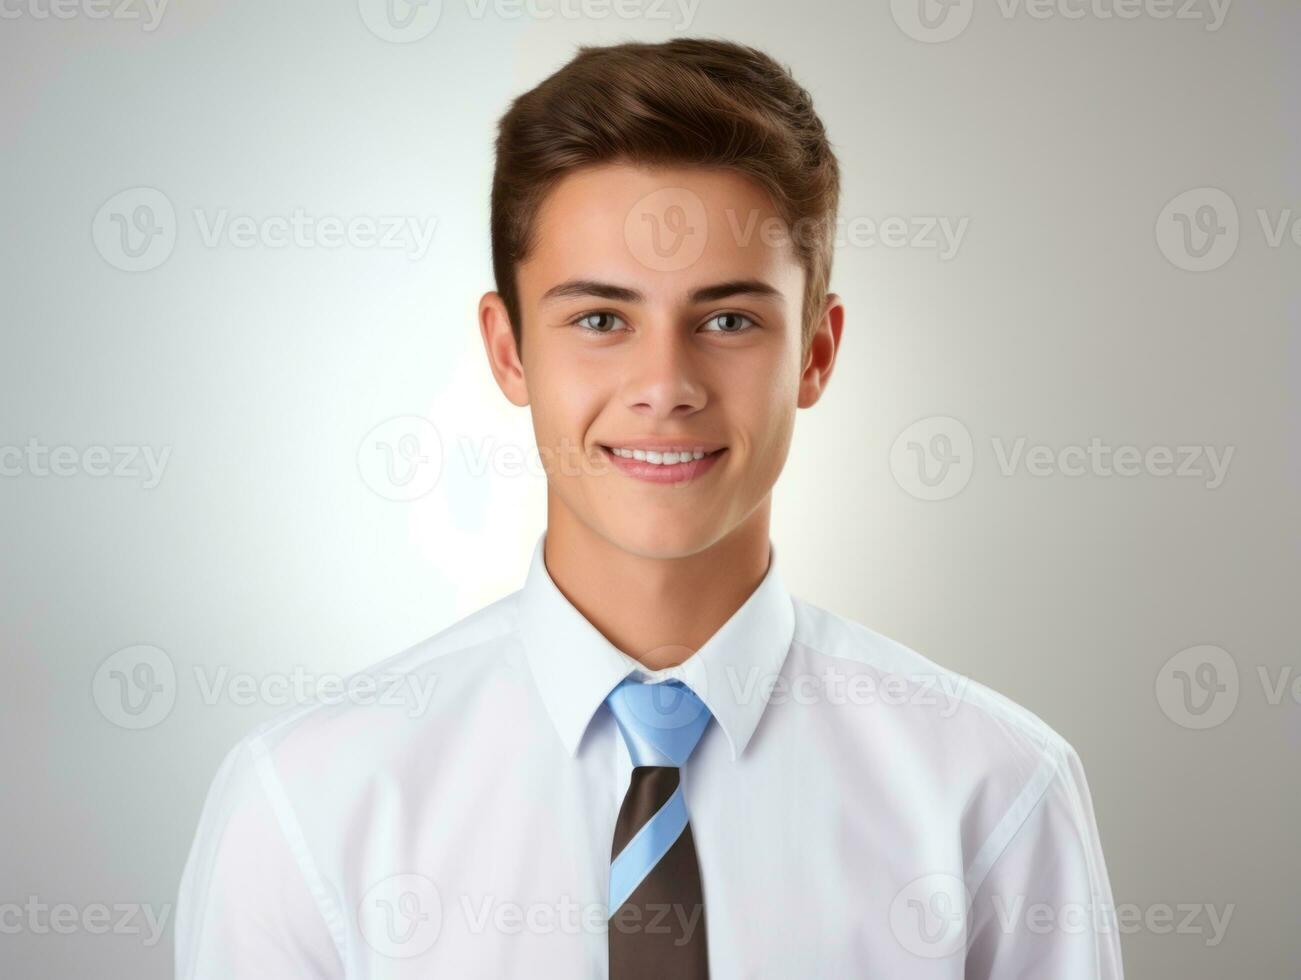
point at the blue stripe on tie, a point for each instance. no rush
(644, 851)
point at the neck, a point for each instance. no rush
(659, 611)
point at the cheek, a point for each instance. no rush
(777, 439)
(762, 400)
(565, 406)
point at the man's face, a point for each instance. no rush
(661, 319)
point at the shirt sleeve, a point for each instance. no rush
(246, 908)
(1045, 908)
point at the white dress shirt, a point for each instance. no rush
(858, 811)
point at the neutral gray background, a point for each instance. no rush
(1071, 311)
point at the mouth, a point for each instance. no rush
(664, 464)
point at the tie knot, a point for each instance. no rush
(661, 723)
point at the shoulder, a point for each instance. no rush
(282, 803)
(946, 743)
(939, 745)
(373, 718)
(898, 676)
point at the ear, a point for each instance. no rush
(821, 357)
(499, 344)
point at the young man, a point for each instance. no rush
(652, 761)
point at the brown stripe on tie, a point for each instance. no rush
(659, 932)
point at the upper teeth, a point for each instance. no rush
(651, 456)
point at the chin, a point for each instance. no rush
(663, 538)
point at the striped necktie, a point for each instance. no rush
(657, 908)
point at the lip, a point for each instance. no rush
(661, 444)
(677, 473)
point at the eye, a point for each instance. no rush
(727, 323)
(597, 322)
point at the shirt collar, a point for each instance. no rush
(575, 666)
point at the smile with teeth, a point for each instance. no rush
(660, 457)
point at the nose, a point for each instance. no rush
(663, 380)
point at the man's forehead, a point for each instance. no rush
(683, 229)
(622, 189)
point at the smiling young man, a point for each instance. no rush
(652, 760)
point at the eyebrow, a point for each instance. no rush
(705, 294)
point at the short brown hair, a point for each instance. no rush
(686, 101)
